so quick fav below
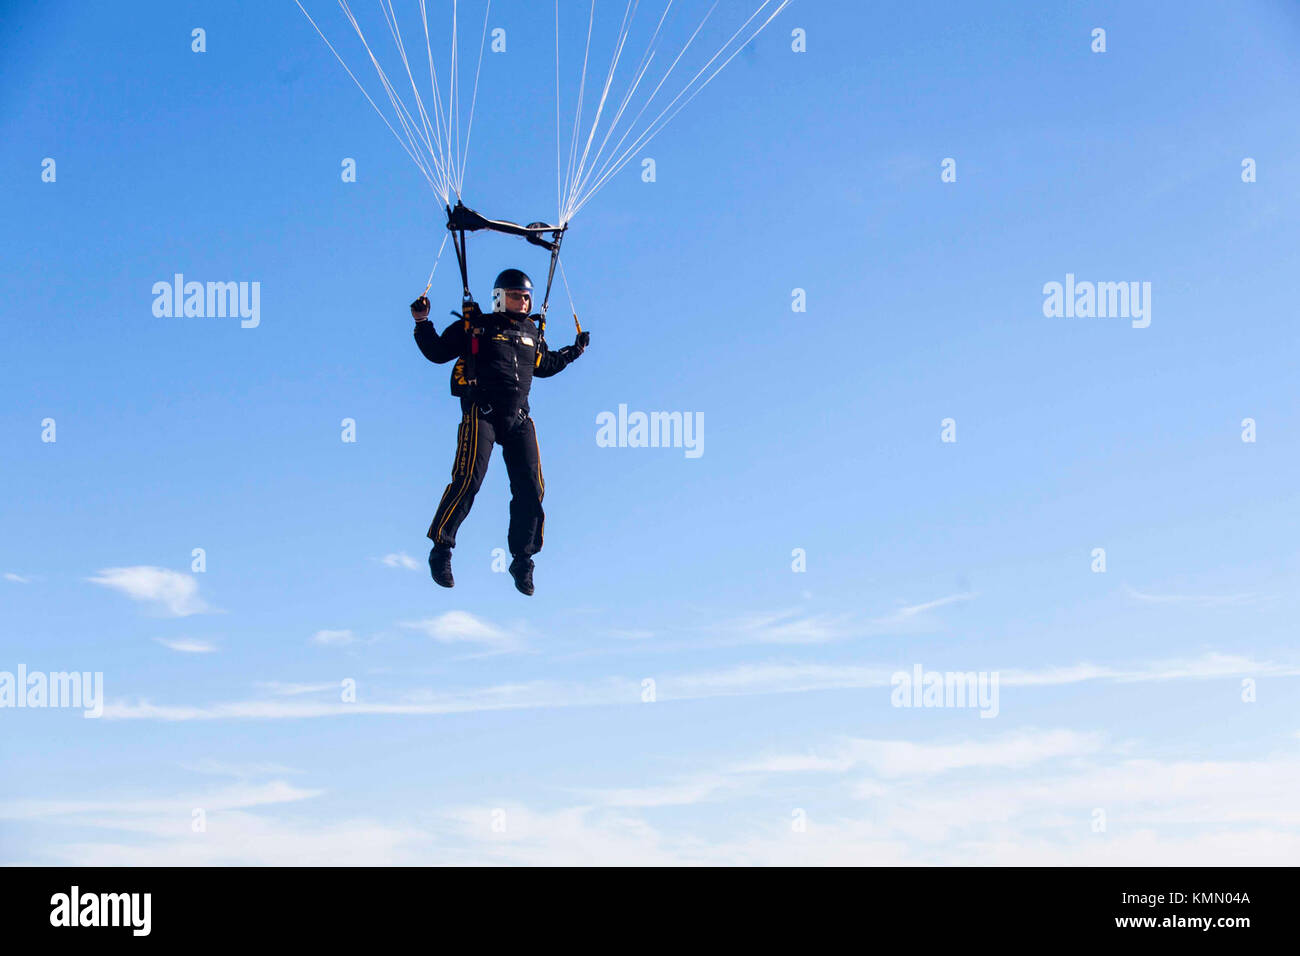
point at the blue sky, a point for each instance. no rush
(820, 170)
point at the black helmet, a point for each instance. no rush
(511, 280)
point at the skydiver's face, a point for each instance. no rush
(517, 302)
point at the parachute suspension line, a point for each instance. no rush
(664, 79)
(419, 164)
(559, 195)
(577, 120)
(616, 162)
(431, 135)
(438, 258)
(596, 164)
(393, 98)
(391, 18)
(650, 99)
(453, 109)
(569, 292)
(623, 29)
(646, 59)
(654, 129)
(403, 115)
(440, 121)
(474, 99)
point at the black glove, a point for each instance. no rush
(582, 341)
(420, 309)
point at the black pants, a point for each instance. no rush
(518, 441)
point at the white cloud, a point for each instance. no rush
(909, 611)
(400, 560)
(1206, 667)
(775, 678)
(519, 696)
(902, 758)
(631, 634)
(1024, 798)
(799, 627)
(682, 793)
(241, 828)
(792, 627)
(17, 578)
(236, 797)
(461, 627)
(771, 678)
(572, 836)
(236, 838)
(333, 637)
(284, 689)
(999, 809)
(222, 769)
(174, 593)
(1198, 600)
(747, 679)
(187, 645)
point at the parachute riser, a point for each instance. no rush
(458, 242)
(550, 278)
(461, 219)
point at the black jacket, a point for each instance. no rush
(510, 354)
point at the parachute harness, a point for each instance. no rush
(460, 220)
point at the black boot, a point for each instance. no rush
(521, 569)
(440, 566)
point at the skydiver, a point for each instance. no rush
(498, 355)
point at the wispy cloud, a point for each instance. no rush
(424, 703)
(682, 793)
(243, 771)
(286, 689)
(1206, 667)
(243, 827)
(902, 758)
(630, 634)
(334, 637)
(772, 678)
(792, 627)
(796, 626)
(1195, 600)
(1026, 798)
(461, 627)
(170, 592)
(187, 645)
(887, 759)
(17, 578)
(228, 798)
(746, 679)
(400, 560)
(909, 611)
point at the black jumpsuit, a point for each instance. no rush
(510, 353)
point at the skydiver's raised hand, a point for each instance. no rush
(582, 341)
(420, 309)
